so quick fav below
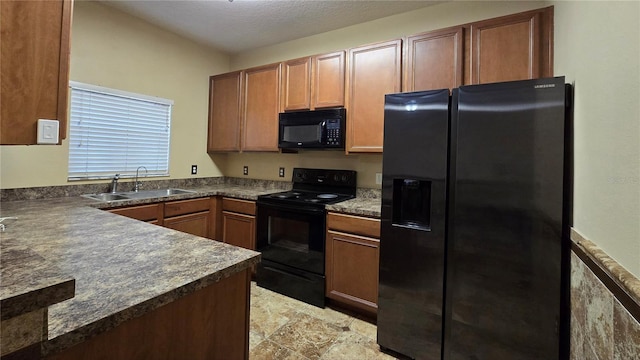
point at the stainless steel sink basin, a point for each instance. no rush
(106, 197)
(145, 194)
(133, 195)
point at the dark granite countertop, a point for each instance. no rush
(359, 206)
(29, 281)
(122, 267)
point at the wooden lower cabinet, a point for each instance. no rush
(194, 216)
(211, 323)
(239, 230)
(152, 213)
(239, 223)
(194, 224)
(352, 260)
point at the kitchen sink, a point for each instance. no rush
(106, 197)
(134, 195)
(145, 194)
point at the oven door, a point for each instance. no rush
(292, 236)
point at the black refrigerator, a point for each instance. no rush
(474, 247)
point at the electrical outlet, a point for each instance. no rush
(194, 169)
(281, 172)
(245, 170)
(379, 178)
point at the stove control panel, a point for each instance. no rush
(329, 177)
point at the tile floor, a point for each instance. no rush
(288, 329)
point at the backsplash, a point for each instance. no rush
(45, 192)
(602, 328)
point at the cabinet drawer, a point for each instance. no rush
(181, 207)
(354, 224)
(149, 212)
(239, 206)
(194, 224)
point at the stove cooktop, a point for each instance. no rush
(302, 196)
(316, 187)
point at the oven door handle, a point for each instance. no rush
(290, 208)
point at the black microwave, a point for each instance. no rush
(318, 129)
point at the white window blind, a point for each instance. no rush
(114, 132)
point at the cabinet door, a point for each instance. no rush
(297, 84)
(224, 112)
(374, 71)
(327, 85)
(434, 60)
(261, 108)
(239, 230)
(352, 270)
(34, 76)
(514, 47)
(150, 213)
(194, 224)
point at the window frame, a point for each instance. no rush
(127, 96)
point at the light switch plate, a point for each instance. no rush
(48, 131)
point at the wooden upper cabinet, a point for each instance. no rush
(224, 112)
(514, 47)
(297, 84)
(373, 71)
(34, 76)
(314, 82)
(327, 84)
(261, 107)
(433, 60)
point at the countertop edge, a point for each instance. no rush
(38, 299)
(81, 334)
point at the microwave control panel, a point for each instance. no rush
(333, 132)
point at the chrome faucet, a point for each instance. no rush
(114, 184)
(136, 184)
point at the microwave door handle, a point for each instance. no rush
(322, 131)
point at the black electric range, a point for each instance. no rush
(316, 188)
(291, 227)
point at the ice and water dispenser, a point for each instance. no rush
(412, 203)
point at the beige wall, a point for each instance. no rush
(111, 49)
(596, 47)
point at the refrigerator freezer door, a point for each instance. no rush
(412, 242)
(505, 238)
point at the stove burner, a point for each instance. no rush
(286, 195)
(327, 196)
(283, 196)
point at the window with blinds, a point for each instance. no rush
(115, 132)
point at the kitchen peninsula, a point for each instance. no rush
(141, 290)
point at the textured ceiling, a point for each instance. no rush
(241, 25)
